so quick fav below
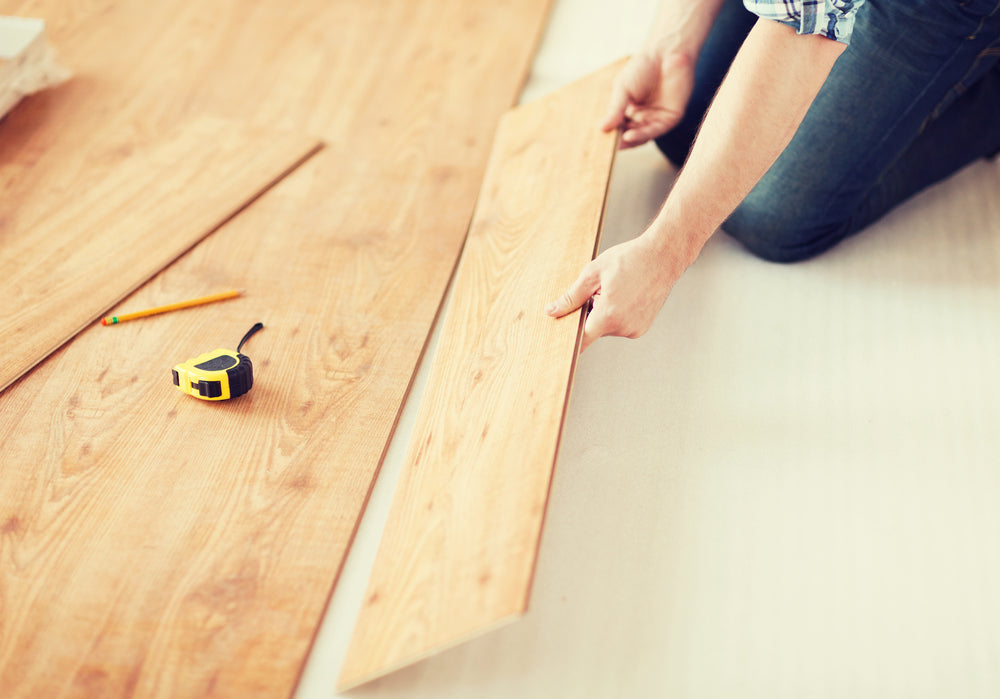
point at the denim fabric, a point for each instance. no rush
(915, 97)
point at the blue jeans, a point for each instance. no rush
(915, 97)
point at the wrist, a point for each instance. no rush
(669, 50)
(677, 239)
(681, 27)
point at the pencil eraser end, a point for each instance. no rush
(104, 321)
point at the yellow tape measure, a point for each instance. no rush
(218, 375)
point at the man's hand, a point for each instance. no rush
(649, 96)
(629, 284)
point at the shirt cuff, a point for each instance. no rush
(833, 19)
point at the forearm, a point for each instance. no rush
(767, 92)
(760, 104)
(681, 26)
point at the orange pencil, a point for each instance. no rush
(112, 320)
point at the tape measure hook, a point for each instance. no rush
(250, 333)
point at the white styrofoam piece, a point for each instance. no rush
(17, 34)
(27, 64)
(788, 488)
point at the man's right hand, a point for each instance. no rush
(628, 284)
(649, 96)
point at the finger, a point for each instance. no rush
(582, 289)
(639, 133)
(594, 327)
(615, 115)
(636, 115)
(631, 138)
(588, 340)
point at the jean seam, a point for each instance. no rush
(982, 22)
(962, 85)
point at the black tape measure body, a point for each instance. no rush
(218, 375)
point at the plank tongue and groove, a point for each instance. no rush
(459, 548)
(68, 257)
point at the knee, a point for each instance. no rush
(778, 233)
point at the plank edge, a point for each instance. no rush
(348, 682)
(574, 361)
(316, 146)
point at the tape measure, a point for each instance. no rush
(218, 375)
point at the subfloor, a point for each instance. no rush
(790, 487)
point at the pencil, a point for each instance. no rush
(112, 320)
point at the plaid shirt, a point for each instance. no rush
(833, 19)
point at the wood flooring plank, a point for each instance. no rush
(458, 552)
(154, 545)
(347, 71)
(67, 259)
(378, 81)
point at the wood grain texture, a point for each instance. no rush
(459, 548)
(378, 81)
(67, 259)
(153, 545)
(428, 78)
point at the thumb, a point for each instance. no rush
(596, 325)
(585, 286)
(615, 115)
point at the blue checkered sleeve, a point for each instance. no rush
(833, 19)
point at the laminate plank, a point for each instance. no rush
(154, 545)
(397, 78)
(65, 260)
(459, 549)
(378, 81)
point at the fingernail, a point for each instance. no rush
(551, 308)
